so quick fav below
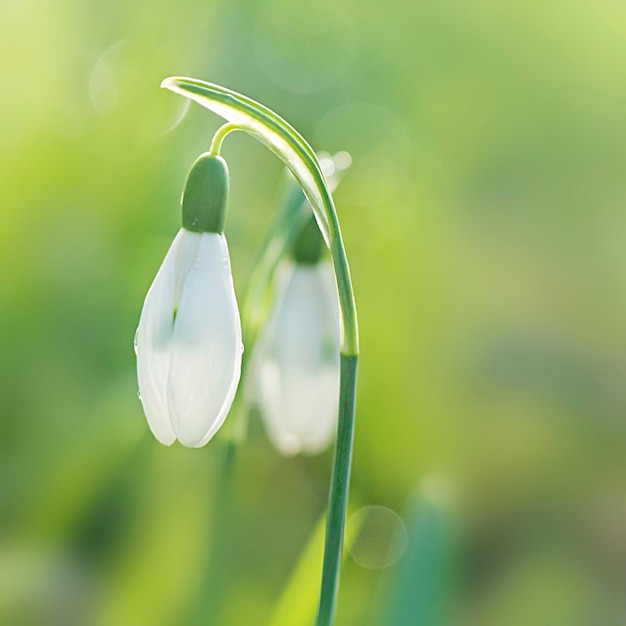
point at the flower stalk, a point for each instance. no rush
(299, 157)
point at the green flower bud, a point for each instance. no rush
(205, 198)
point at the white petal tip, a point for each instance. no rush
(190, 442)
(166, 441)
(289, 445)
(194, 441)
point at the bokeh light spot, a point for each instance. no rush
(103, 81)
(303, 47)
(378, 150)
(114, 80)
(382, 537)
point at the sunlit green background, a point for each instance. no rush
(484, 218)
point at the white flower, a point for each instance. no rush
(296, 366)
(189, 341)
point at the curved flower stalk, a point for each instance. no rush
(282, 139)
(188, 341)
(293, 212)
(295, 365)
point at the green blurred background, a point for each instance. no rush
(484, 221)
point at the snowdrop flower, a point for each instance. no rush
(295, 368)
(189, 338)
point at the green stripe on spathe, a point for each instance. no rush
(205, 198)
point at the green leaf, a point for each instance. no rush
(420, 591)
(298, 602)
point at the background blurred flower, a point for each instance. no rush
(295, 369)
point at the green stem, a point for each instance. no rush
(339, 487)
(214, 579)
(219, 571)
(220, 135)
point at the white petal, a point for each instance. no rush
(320, 428)
(153, 342)
(269, 385)
(298, 370)
(206, 346)
(186, 255)
(265, 339)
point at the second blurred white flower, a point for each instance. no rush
(295, 370)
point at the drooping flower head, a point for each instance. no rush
(295, 371)
(188, 341)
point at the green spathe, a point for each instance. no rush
(205, 198)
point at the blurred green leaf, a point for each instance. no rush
(299, 599)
